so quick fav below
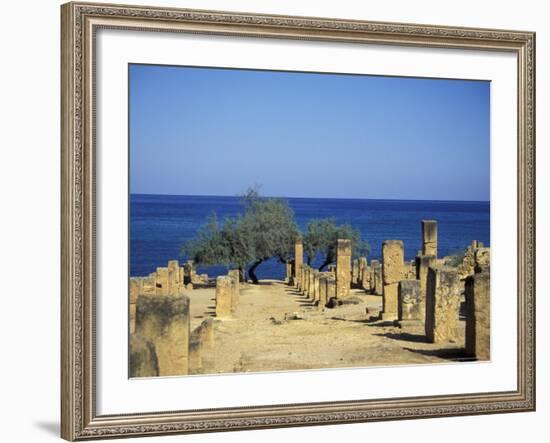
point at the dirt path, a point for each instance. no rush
(275, 328)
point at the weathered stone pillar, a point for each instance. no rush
(288, 272)
(165, 322)
(355, 272)
(323, 280)
(343, 267)
(298, 258)
(423, 263)
(303, 279)
(393, 254)
(443, 295)
(235, 276)
(331, 288)
(205, 332)
(429, 237)
(161, 282)
(224, 291)
(478, 316)
(363, 268)
(173, 277)
(143, 357)
(412, 307)
(376, 279)
(316, 285)
(311, 283)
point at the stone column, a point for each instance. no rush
(165, 322)
(478, 316)
(298, 258)
(224, 290)
(331, 288)
(303, 279)
(412, 308)
(355, 272)
(443, 294)
(429, 237)
(316, 285)
(235, 276)
(423, 263)
(173, 277)
(482, 259)
(311, 283)
(162, 282)
(323, 279)
(288, 272)
(393, 254)
(343, 267)
(362, 271)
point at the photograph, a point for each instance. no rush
(289, 220)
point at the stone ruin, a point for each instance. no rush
(422, 296)
(161, 341)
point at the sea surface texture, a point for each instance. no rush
(161, 224)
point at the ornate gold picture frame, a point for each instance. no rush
(80, 22)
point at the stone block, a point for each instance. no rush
(443, 297)
(390, 304)
(393, 259)
(478, 316)
(165, 322)
(143, 357)
(411, 301)
(224, 296)
(343, 267)
(173, 276)
(355, 272)
(323, 280)
(331, 288)
(363, 273)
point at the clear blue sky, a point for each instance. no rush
(207, 131)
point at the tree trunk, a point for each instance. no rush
(241, 274)
(251, 270)
(324, 265)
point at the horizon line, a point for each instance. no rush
(318, 198)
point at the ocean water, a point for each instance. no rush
(160, 224)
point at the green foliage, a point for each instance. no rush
(266, 229)
(321, 236)
(456, 258)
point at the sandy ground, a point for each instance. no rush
(276, 328)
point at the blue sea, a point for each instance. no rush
(160, 224)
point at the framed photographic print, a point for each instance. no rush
(283, 221)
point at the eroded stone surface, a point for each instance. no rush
(443, 295)
(478, 316)
(224, 296)
(411, 301)
(165, 322)
(343, 267)
(429, 237)
(143, 357)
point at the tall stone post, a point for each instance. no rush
(162, 281)
(235, 276)
(376, 277)
(311, 283)
(429, 237)
(478, 316)
(343, 267)
(316, 284)
(303, 279)
(323, 280)
(443, 294)
(423, 263)
(355, 272)
(298, 258)
(288, 272)
(393, 254)
(224, 290)
(362, 272)
(173, 277)
(165, 322)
